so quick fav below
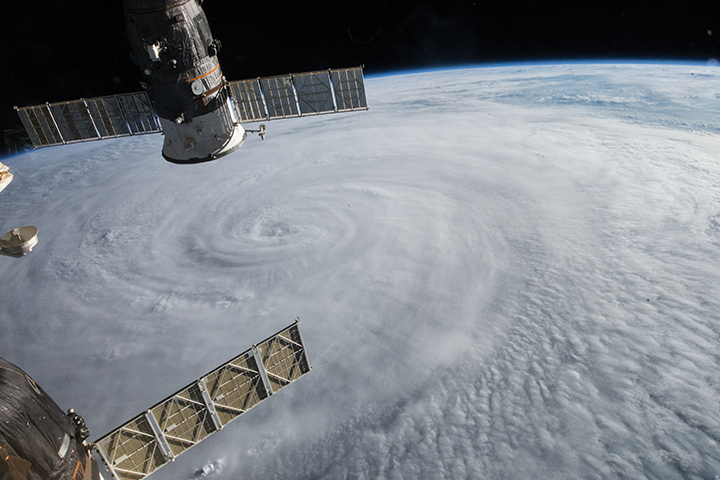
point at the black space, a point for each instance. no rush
(65, 50)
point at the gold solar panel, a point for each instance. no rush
(184, 419)
(248, 98)
(349, 87)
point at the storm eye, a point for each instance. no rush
(33, 384)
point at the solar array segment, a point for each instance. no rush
(153, 438)
(89, 119)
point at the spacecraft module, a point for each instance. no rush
(185, 96)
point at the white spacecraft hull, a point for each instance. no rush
(204, 138)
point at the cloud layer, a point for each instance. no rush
(501, 273)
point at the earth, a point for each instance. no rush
(501, 272)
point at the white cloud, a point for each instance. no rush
(490, 286)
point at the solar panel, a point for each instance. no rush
(265, 98)
(40, 126)
(157, 436)
(74, 121)
(110, 120)
(89, 119)
(314, 92)
(279, 97)
(349, 88)
(137, 110)
(300, 94)
(248, 98)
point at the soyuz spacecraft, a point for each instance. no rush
(186, 96)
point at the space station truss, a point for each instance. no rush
(166, 430)
(89, 119)
(300, 94)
